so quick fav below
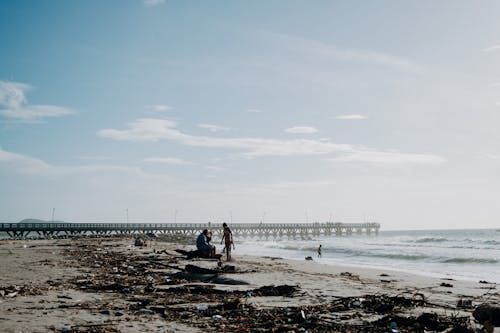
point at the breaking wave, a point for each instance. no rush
(431, 240)
(470, 260)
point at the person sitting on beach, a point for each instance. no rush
(203, 245)
(227, 238)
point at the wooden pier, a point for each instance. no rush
(253, 230)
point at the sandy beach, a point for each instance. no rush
(110, 285)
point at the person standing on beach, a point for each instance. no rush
(227, 238)
(319, 251)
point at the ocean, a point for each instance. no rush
(459, 254)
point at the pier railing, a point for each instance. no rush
(267, 230)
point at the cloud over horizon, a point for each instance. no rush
(153, 3)
(153, 130)
(14, 104)
(158, 107)
(491, 48)
(351, 117)
(214, 128)
(168, 160)
(302, 130)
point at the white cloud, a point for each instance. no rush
(351, 117)
(254, 111)
(162, 129)
(214, 168)
(28, 165)
(23, 163)
(388, 158)
(328, 52)
(146, 129)
(168, 160)
(497, 104)
(214, 128)
(153, 3)
(493, 156)
(491, 48)
(301, 130)
(14, 104)
(295, 184)
(159, 107)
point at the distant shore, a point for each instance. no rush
(109, 285)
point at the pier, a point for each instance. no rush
(252, 230)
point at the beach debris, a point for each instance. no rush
(164, 286)
(89, 328)
(430, 321)
(350, 276)
(394, 327)
(484, 282)
(487, 312)
(309, 258)
(228, 268)
(201, 308)
(464, 303)
(200, 270)
(197, 254)
(282, 290)
(447, 285)
(139, 241)
(25, 290)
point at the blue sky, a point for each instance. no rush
(287, 111)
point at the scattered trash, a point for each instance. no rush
(139, 242)
(394, 327)
(283, 290)
(201, 308)
(464, 303)
(162, 285)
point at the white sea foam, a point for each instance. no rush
(461, 254)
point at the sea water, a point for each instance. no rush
(458, 254)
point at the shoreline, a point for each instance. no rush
(73, 284)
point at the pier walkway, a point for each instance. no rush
(260, 230)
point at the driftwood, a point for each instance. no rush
(208, 278)
(201, 270)
(197, 254)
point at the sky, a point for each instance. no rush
(248, 111)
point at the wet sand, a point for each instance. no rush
(109, 285)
